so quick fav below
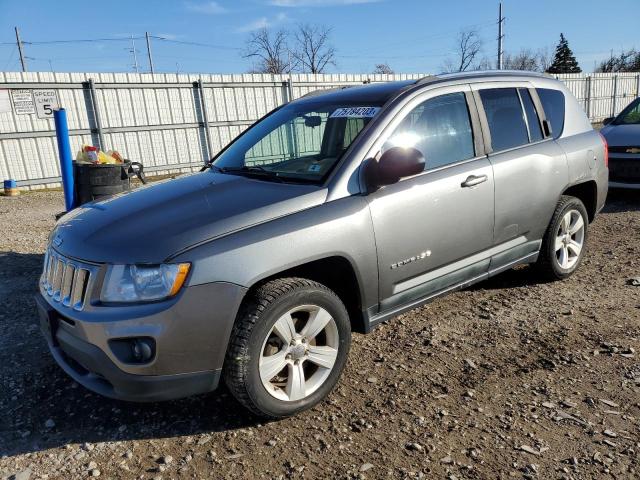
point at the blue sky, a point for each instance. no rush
(411, 35)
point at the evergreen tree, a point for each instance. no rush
(564, 61)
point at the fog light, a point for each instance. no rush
(133, 349)
(142, 350)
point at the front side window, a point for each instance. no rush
(505, 117)
(440, 128)
(553, 105)
(298, 143)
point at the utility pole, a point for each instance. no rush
(500, 37)
(149, 52)
(135, 56)
(19, 42)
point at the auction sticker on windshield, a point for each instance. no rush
(355, 112)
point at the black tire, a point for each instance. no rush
(548, 264)
(260, 311)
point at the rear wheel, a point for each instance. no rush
(288, 347)
(564, 242)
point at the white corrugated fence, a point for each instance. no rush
(160, 119)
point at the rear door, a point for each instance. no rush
(529, 168)
(430, 228)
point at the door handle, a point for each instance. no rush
(473, 180)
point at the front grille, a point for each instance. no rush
(66, 281)
(624, 170)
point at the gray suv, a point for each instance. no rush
(331, 214)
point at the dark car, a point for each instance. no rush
(623, 136)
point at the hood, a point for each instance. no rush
(622, 135)
(149, 224)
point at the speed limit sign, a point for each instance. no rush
(46, 102)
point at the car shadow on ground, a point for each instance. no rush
(520, 276)
(620, 200)
(42, 408)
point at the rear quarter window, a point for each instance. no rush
(553, 105)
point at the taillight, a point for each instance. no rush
(606, 150)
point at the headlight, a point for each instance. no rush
(140, 283)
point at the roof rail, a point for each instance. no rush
(322, 91)
(427, 79)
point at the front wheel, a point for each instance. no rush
(563, 245)
(288, 347)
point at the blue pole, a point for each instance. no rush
(64, 151)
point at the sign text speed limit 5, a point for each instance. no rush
(46, 102)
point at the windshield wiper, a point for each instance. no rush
(256, 170)
(259, 171)
(249, 168)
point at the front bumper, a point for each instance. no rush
(628, 186)
(191, 334)
(624, 171)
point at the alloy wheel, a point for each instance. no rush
(569, 239)
(299, 353)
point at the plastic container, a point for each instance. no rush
(11, 188)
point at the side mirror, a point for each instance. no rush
(608, 120)
(394, 164)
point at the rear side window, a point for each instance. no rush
(553, 104)
(505, 117)
(535, 132)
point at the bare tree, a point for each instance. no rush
(625, 62)
(384, 69)
(485, 63)
(525, 59)
(468, 47)
(313, 53)
(270, 50)
(545, 59)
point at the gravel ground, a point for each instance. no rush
(513, 378)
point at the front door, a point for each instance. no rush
(431, 229)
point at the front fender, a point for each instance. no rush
(341, 228)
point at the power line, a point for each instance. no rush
(395, 57)
(195, 44)
(414, 41)
(84, 40)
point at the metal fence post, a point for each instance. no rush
(205, 118)
(588, 96)
(290, 89)
(615, 95)
(638, 85)
(96, 113)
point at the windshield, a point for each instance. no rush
(298, 143)
(630, 115)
